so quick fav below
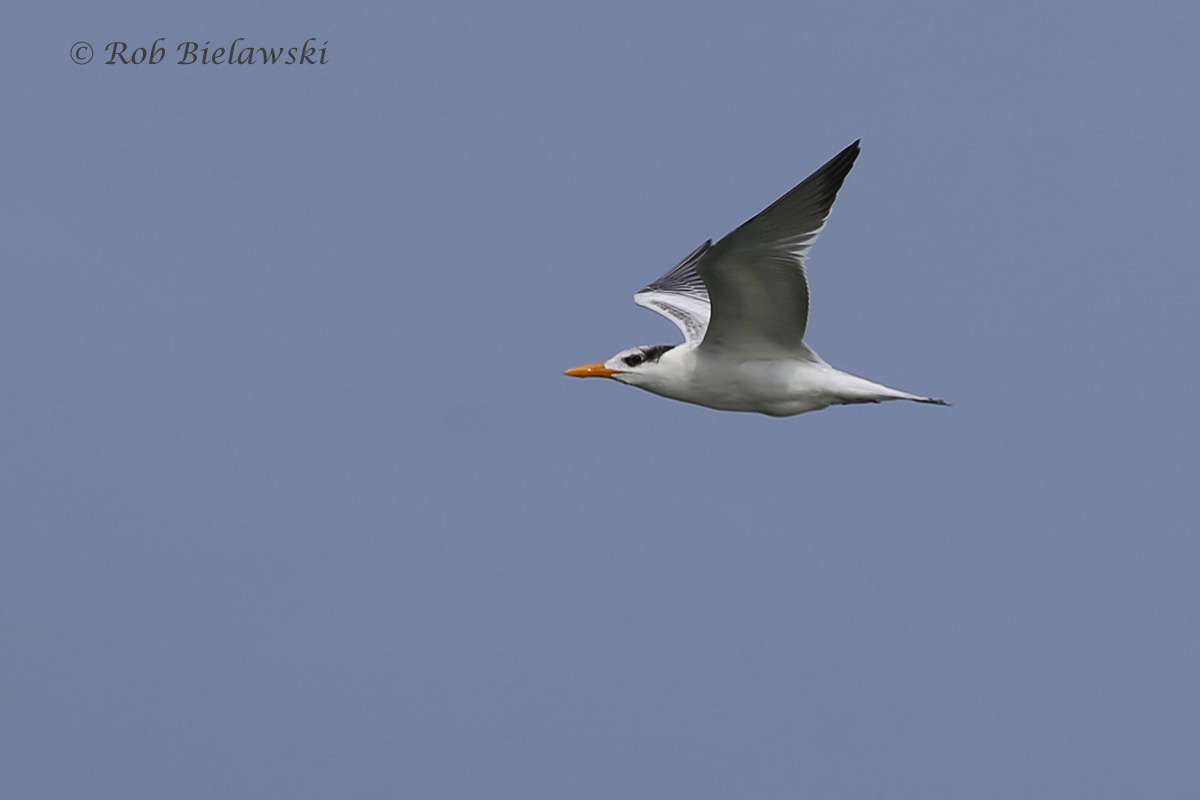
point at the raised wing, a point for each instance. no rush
(755, 275)
(680, 296)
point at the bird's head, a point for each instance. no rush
(636, 366)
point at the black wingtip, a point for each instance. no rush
(839, 166)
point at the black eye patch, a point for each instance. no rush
(654, 352)
(649, 353)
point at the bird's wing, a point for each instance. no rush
(680, 296)
(755, 275)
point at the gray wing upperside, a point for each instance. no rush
(755, 275)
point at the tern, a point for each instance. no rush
(742, 305)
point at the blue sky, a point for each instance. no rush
(298, 504)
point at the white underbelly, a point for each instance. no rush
(767, 387)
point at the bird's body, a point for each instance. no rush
(779, 387)
(742, 305)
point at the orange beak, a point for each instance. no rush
(591, 371)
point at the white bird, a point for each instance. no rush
(742, 305)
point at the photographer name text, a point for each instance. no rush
(238, 52)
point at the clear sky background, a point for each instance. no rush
(297, 504)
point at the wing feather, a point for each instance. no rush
(755, 277)
(680, 296)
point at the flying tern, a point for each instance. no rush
(742, 305)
